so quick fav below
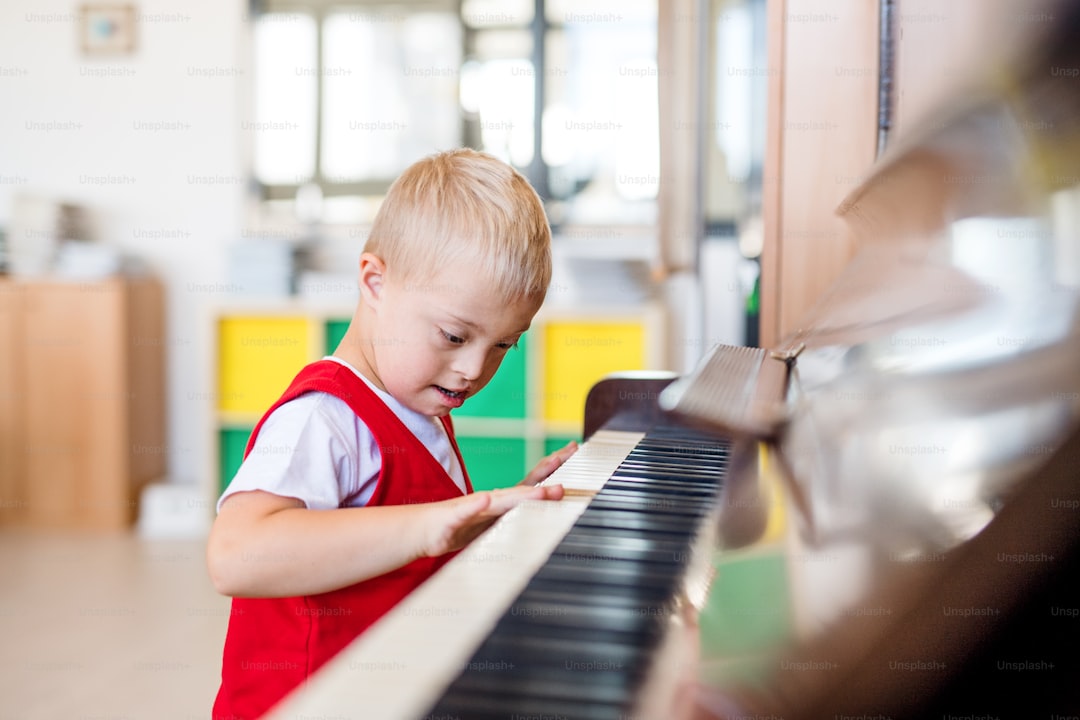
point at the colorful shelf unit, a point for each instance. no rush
(532, 406)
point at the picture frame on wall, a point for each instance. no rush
(107, 29)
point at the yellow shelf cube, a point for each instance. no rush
(577, 354)
(258, 357)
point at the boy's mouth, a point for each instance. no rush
(454, 394)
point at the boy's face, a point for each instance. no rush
(434, 343)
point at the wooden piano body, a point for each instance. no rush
(897, 536)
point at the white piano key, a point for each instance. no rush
(401, 666)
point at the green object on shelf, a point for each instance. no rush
(233, 441)
(753, 300)
(504, 396)
(493, 462)
(335, 330)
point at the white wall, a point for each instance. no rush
(173, 197)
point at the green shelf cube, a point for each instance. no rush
(335, 330)
(504, 396)
(231, 454)
(493, 462)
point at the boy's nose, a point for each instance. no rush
(469, 362)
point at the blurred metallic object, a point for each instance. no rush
(931, 426)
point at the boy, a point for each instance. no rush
(370, 496)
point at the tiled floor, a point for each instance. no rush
(107, 627)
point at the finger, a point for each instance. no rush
(552, 492)
(542, 492)
(550, 464)
(504, 500)
(468, 507)
(452, 523)
(535, 475)
(563, 454)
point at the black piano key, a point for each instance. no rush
(686, 478)
(655, 507)
(655, 526)
(629, 496)
(542, 695)
(556, 669)
(590, 549)
(560, 593)
(472, 705)
(560, 657)
(621, 572)
(702, 456)
(587, 546)
(537, 615)
(610, 579)
(672, 480)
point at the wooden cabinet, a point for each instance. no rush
(823, 116)
(82, 424)
(821, 138)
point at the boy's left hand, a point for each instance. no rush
(458, 522)
(550, 464)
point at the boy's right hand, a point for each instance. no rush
(456, 523)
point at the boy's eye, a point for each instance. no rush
(507, 346)
(450, 337)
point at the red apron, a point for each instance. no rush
(274, 644)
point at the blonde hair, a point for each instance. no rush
(465, 205)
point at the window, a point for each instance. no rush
(348, 95)
(286, 98)
(592, 150)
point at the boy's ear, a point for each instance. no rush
(372, 277)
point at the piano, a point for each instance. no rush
(879, 517)
(560, 609)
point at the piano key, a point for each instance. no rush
(633, 583)
(551, 675)
(477, 706)
(587, 547)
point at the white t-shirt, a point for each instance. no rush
(314, 448)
